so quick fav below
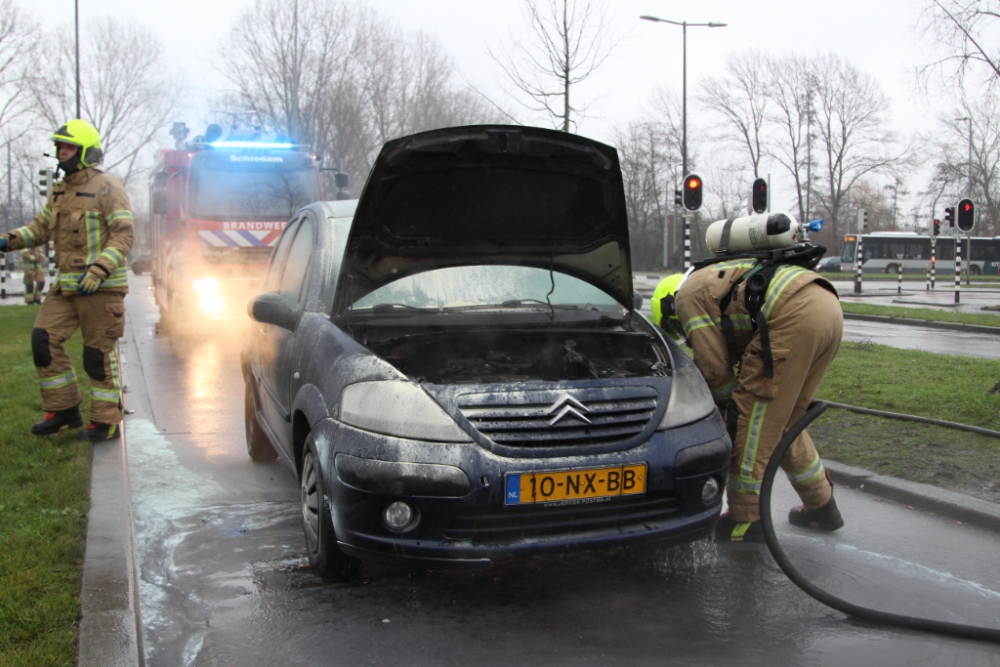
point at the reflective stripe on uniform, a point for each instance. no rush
(29, 238)
(69, 282)
(814, 470)
(743, 486)
(93, 229)
(734, 264)
(57, 381)
(754, 429)
(118, 278)
(114, 394)
(724, 392)
(699, 322)
(46, 213)
(114, 255)
(782, 278)
(120, 214)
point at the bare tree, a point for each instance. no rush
(790, 87)
(852, 132)
(963, 32)
(339, 78)
(567, 41)
(955, 177)
(127, 89)
(740, 98)
(19, 38)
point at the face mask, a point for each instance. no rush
(72, 165)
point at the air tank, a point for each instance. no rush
(753, 233)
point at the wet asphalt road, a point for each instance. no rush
(224, 578)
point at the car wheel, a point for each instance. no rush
(893, 268)
(258, 446)
(325, 556)
(974, 270)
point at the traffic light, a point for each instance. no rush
(758, 196)
(677, 197)
(692, 192)
(937, 227)
(864, 219)
(966, 215)
(46, 178)
(949, 216)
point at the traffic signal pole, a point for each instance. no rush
(958, 269)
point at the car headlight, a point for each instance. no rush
(690, 399)
(398, 408)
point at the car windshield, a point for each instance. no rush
(251, 194)
(492, 287)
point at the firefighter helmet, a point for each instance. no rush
(663, 306)
(81, 133)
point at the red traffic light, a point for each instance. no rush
(967, 207)
(966, 215)
(692, 192)
(758, 196)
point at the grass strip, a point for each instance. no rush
(941, 386)
(928, 314)
(44, 498)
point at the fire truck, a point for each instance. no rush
(217, 206)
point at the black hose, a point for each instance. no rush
(915, 418)
(816, 408)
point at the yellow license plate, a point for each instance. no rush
(526, 488)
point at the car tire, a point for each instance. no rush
(894, 269)
(974, 270)
(325, 556)
(259, 447)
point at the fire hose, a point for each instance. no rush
(817, 408)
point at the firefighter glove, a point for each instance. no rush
(89, 282)
(3, 244)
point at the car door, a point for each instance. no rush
(278, 343)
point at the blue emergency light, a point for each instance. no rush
(251, 144)
(815, 225)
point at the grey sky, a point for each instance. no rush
(877, 35)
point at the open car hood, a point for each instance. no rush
(491, 194)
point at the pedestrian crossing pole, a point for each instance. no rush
(933, 260)
(3, 275)
(687, 242)
(958, 269)
(899, 280)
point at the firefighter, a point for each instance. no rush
(88, 217)
(762, 377)
(33, 265)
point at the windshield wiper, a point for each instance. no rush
(396, 308)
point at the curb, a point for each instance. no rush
(952, 326)
(109, 626)
(929, 498)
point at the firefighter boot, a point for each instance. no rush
(58, 420)
(98, 432)
(825, 518)
(745, 532)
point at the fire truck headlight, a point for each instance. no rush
(211, 304)
(206, 286)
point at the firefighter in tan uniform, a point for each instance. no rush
(762, 394)
(88, 218)
(33, 266)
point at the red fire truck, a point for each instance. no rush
(217, 207)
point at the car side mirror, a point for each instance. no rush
(270, 308)
(636, 300)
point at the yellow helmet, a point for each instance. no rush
(81, 133)
(664, 309)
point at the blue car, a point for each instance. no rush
(456, 369)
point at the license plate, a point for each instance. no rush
(526, 488)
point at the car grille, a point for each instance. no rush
(500, 525)
(550, 419)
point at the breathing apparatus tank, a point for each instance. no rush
(753, 233)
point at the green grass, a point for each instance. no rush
(951, 388)
(44, 497)
(930, 314)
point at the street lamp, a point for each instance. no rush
(684, 131)
(684, 25)
(968, 191)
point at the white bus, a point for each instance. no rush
(909, 252)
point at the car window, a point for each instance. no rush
(273, 279)
(297, 263)
(484, 286)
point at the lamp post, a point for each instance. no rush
(968, 193)
(684, 150)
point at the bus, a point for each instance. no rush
(909, 252)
